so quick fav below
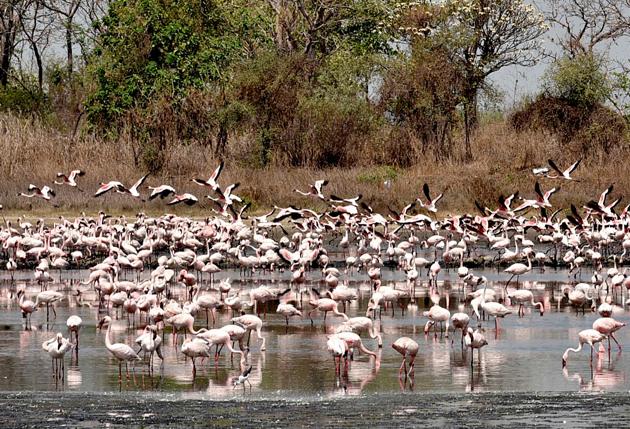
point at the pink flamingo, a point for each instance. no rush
(608, 326)
(406, 347)
(587, 336)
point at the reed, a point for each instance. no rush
(34, 153)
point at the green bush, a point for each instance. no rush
(581, 80)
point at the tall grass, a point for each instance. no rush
(30, 152)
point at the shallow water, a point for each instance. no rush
(524, 355)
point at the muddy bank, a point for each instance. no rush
(470, 410)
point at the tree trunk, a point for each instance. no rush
(40, 67)
(7, 47)
(471, 121)
(69, 46)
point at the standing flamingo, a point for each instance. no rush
(608, 326)
(57, 348)
(522, 297)
(587, 336)
(120, 351)
(74, 325)
(406, 347)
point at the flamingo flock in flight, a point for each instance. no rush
(180, 251)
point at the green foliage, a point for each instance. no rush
(378, 175)
(158, 48)
(581, 80)
(23, 100)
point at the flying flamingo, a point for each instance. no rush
(111, 185)
(161, 191)
(120, 351)
(587, 336)
(70, 179)
(315, 190)
(430, 203)
(566, 174)
(212, 180)
(188, 199)
(45, 193)
(406, 347)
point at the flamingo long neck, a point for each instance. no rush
(365, 350)
(577, 350)
(108, 341)
(537, 304)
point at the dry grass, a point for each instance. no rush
(31, 153)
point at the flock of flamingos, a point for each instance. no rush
(179, 251)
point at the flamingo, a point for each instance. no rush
(194, 348)
(188, 199)
(437, 314)
(608, 326)
(220, 337)
(48, 297)
(45, 192)
(587, 336)
(251, 323)
(288, 310)
(150, 342)
(362, 324)
(57, 348)
(354, 341)
(494, 309)
(70, 179)
(566, 174)
(27, 307)
(430, 203)
(406, 347)
(460, 320)
(339, 349)
(518, 269)
(111, 185)
(120, 351)
(325, 305)
(161, 191)
(74, 323)
(475, 340)
(523, 297)
(212, 180)
(315, 190)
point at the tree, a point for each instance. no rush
(586, 25)
(66, 10)
(482, 36)
(319, 27)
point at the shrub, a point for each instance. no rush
(580, 81)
